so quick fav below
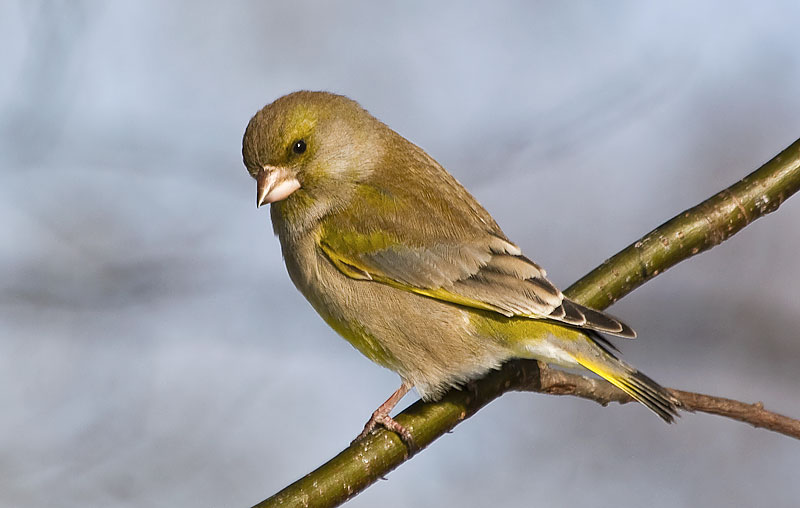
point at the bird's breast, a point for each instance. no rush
(344, 304)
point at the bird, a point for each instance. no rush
(404, 263)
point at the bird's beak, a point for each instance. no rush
(274, 184)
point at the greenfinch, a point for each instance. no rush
(398, 258)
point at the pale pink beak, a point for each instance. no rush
(274, 184)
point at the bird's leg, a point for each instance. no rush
(381, 417)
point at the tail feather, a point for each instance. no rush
(655, 397)
(652, 395)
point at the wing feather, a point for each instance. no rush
(448, 248)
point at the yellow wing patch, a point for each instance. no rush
(354, 270)
(344, 265)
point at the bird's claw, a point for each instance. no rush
(390, 424)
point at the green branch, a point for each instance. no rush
(689, 233)
(693, 231)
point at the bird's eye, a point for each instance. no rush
(299, 146)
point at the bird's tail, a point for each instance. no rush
(599, 359)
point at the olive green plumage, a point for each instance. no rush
(405, 264)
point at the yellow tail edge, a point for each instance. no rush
(643, 389)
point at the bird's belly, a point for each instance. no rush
(429, 343)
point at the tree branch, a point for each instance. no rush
(689, 233)
(556, 382)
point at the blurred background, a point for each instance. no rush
(153, 351)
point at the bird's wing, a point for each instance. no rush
(451, 258)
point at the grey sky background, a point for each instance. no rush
(153, 351)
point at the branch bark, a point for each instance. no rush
(687, 234)
(556, 382)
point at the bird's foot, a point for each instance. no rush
(383, 419)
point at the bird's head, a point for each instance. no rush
(308, 150)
